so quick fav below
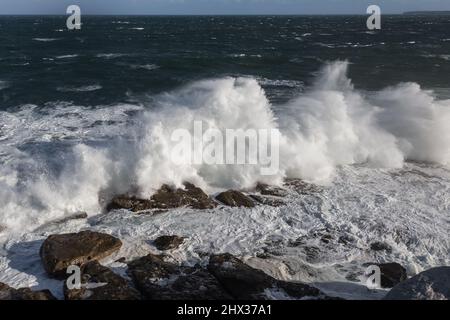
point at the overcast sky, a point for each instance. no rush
(218, 6)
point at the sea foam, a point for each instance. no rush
(331, 124)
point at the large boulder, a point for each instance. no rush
(433, 284)
(161, 280)
(60, 251)
(235, 198)
(165, 198)
(168, 242)
(100, 283)
(8, 293)
(246, 283)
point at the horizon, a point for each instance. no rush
(218, 7)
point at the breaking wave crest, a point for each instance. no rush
(330, 125)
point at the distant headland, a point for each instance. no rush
(427, 13)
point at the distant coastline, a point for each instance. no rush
(427, 13)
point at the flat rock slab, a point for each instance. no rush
(9, 293)
(101, 283)
(168, 242)
(60, 251)
(246, 283)
(433, 284)
(233, 198)
(165, 198)
(157, 279)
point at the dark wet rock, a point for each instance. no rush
(9, 293)
(62, 250)
(165, 198)
(168, 242)
(190, 196)
(131, 203)
(268, 201)
(235, 198)
(392, 274)
(302, 187)
(100, 283)
(433, 284)
(161, 280)
(267, 190)
(2, 228)
(380, 246)
(246, 283)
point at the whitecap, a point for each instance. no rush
(45, 39)
(67, 56)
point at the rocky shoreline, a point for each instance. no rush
(223, 276)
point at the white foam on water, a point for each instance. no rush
(45, 39)
(356, 145)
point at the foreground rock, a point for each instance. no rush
(234, 198)
(165, 198)
(8, 293)
(168, 242)
(100, 283)
(60, 251)
(246, 283)
(433, 284)
(160, 280)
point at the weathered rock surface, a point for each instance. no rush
(168, 242)
(8, 293)
(246, 283)
(62, 250)
(100, 283)
(165, 198)
(433, 284)
(235, 198)
(160, 280)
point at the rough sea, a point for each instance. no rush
(364, 116)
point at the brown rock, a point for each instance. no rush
(60, 251)
(246, 283)
(130, 203)
(165, 198)
(8, 293)
(100, 283)
(168, 242)
(234, 198)
(160, 280)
